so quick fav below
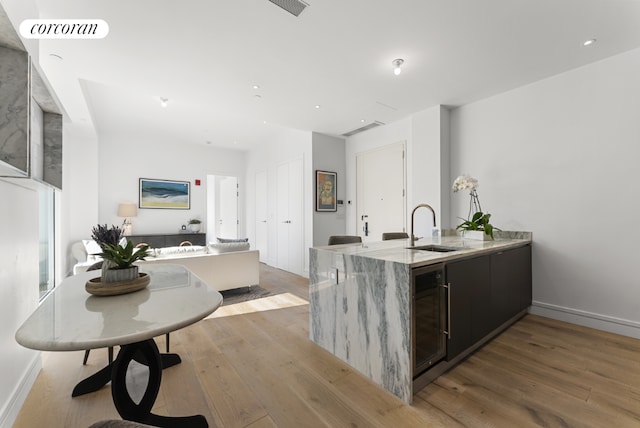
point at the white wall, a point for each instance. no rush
(428, 167)
(362, 142)
(124, 160)
(329, 155)
(559, 158)
(426, 134)
(18, 267)
(284, 145)
(18, 294)
(79, 197)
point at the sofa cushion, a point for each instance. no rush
(91, 247)
(229, 240)
(186, 250)
(227, 247)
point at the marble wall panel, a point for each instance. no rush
(52, 162)
(36, 136)
(14, 108)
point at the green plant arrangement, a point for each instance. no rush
(104, 235)
(119, 274)
(476, 219)
(117, 263)
(194, 225)
(124, 257)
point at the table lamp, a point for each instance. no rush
(127, 210)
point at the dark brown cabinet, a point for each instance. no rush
(171, 240)
(510, 283)
(484, 293)
(469, 283)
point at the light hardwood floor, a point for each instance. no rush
(252, 365)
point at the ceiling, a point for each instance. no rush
(204, 56)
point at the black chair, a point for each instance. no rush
(394, 235)
(344, 239)
(96, 266)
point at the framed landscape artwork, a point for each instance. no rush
(164, 194)
(326, 184)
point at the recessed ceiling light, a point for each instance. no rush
(256, 86)
(362, 120)
(164, 101)
(264, 122)
(589, 42)
(317, 105)
(397, 63)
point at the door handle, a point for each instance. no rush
(366, 228)
(448, 330)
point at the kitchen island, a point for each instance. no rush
(362, 305)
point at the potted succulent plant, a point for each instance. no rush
(122, 259)
(194, 225)
(118, 260)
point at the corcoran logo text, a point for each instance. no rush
(64, 29)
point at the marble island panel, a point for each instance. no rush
(360, 301)
(359, 318)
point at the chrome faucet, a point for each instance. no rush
(413, 237)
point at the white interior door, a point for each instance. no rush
(228, 207)
(380, 192)
(261, 215)
(222, 207)
(289, 216)
(282, 216)
(296, 230)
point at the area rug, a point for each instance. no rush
(243, 294)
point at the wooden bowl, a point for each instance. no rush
(96, 287)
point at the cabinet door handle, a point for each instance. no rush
(447, 287)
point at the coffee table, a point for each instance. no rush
(70, 319)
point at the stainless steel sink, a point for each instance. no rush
(435, 248)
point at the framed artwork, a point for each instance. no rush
(326, 184)
(165, 194)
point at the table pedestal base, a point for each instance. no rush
(146, 353)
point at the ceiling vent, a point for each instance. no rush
(374, 124)
(294, 7)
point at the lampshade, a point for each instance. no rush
(127, 210)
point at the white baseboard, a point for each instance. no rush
(10, 411)
(587, 319)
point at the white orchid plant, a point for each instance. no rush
(476, 219)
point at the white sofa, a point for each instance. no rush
(219, 265)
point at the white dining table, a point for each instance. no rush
(70, 319)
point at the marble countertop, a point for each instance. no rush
(71, 319)
(396, 250)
